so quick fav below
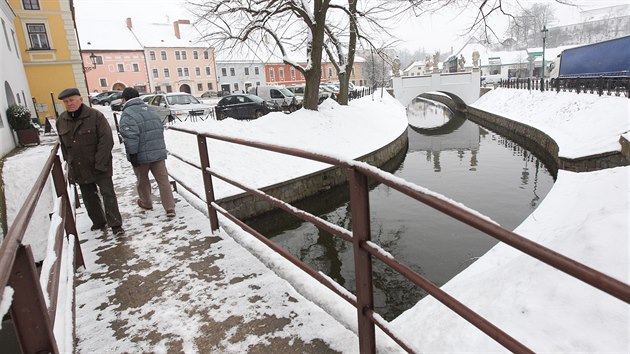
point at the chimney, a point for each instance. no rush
(129, 24)
(176, 27)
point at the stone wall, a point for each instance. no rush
(543, 146)
(245, 206)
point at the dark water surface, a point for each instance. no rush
(460, 160)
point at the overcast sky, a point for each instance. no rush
(431, 32)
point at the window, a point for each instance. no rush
(121, 68)
(186, 72)
(235, 87)
(157, 88)
(136, 67)
(205, 54)
(329, 72)
(152, 55)
(209, 85)
(184, 55)
(207, 70)
(6, 35)
(232, 72)
(167, 73)
(223, 71)
(37, 35)
(103, 82)
(163, 55)
(180, 72)
(169, 88)
(256, 72)
(281, 74)
(30, 4)
(99, 60)
(272, 75)
(197, 71)
(177, 55)
(293, 74)
(195, 54)
(246, 71)
(155, 73)
(17, 52)
(199, 87)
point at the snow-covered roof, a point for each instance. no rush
(105, 35)
(158, 35)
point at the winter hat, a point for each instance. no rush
(72, 91)
(129, 93)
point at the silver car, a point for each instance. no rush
(179, 106)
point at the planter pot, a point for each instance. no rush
(28, 137)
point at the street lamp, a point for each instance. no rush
(93, 58)
(544, 32)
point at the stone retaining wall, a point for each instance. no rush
(543, 146)
(245, 206)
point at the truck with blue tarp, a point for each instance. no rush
(602, 63)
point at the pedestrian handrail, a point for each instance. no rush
(600, 85)
(364, 248)
(32, 318)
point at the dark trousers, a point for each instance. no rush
(92, 201)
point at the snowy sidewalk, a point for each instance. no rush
(170, 285)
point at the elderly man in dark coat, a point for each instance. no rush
(86, 143)
(143, 132)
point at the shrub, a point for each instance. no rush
(19, 117)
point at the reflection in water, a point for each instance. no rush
(458, 159)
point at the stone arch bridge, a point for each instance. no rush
(462, 87)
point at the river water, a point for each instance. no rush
(447, 154)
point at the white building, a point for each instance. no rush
(239, 75)
(15, 89)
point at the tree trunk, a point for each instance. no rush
(313, 76)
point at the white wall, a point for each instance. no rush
(13, 83)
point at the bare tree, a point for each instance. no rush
(316, 27)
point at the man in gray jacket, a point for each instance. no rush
(143, 132)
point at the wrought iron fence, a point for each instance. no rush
(611, 86)
(32, 318)
(365, 249)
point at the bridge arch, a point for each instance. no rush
(461, 87)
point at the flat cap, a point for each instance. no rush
(73, 91)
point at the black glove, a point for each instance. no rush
(133, 158)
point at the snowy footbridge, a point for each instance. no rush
(462, 87)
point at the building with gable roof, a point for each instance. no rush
(119, 60)
(176, 59)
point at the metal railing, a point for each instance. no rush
(611, 86)
(365, 249)
(32, 319)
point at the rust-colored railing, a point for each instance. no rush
(364, 248)
(32, 319)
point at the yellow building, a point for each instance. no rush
(47, 36)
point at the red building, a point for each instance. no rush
(282, 74)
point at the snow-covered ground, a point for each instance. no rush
(585, 216)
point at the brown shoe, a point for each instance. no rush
(143, 206)
(170, 213)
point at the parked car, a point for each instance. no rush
(244, 106)
(283, 97)
(209, 94)
(298, 90)
(106, 98)
(179, 106)
(117, 105)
